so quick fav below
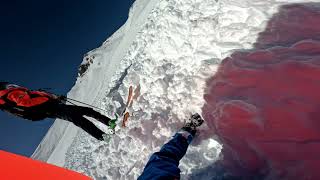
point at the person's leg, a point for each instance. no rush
(164, 164)
(74, 114)
(176, 148)
(87, 111)
(89, 127)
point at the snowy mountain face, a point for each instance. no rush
(168, 49)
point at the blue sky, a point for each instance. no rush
(42, 44)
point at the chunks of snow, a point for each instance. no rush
(172, 48)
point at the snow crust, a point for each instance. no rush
(169, 48)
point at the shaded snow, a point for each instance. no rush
(169, 48)
(264, 103)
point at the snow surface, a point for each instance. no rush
(169, 48)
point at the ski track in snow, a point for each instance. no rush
(177, 50)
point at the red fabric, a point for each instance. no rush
(264, 105)
(22, 98)
(2, 101)
(2, 93)
(14, 167)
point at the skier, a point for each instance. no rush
(164, 164)
(38, 105)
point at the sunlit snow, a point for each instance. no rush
(169, 48)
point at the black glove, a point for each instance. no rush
(62, 98)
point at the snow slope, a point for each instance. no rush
(169, 48)
(91, 87)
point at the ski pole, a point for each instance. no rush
(46, 90)
(70, 99)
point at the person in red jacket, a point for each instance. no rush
(38, 105)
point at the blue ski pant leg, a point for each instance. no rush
(164, 164)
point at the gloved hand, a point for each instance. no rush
(62, 98)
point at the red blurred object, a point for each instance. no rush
(16, 167)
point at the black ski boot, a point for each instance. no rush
(192, 123)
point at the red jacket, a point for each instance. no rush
(23, 97)
(33, 105)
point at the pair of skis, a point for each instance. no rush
(132, 95)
